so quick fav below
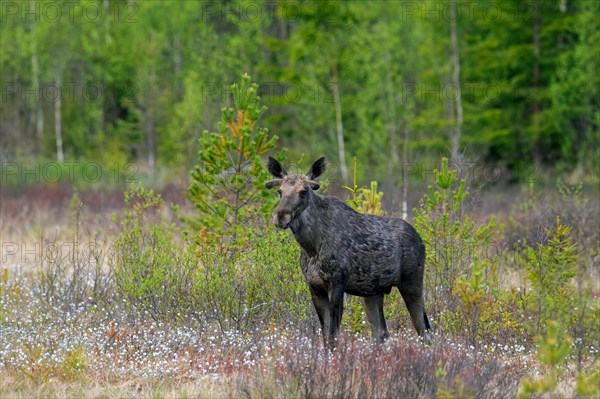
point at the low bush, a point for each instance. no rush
(153, 273)
(461, 278)
(261, 283)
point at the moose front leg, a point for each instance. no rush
(336, 308)
(320, 300)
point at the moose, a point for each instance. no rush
(344, 251)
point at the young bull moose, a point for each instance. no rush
(347, 251)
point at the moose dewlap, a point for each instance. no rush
(347, 251)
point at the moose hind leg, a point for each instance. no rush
(336, 309)
(374, 310)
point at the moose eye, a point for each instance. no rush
(302, 193)
(279, 192)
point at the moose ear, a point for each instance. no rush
(273, 183)
(313, 185)
(275, 168)
(317, 168)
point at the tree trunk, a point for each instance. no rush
(405, 184)
(455, 133)
(58, 121)
(151, 135)
(339, 127)
(536, 50)
(35, 72)
(536, 79)
(106, 6)
(177, 68)
(391, 114)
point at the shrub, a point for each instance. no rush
(550, 269)
(247, 274)
(242, 288)
(400, 369)
(457, 257)
(365, 200)
(552, 353)
(151, 271)
(70, 270)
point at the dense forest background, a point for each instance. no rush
(507, 83)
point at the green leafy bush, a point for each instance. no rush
(550, 269)
(552, 352)
(460, 277)
(151, 271)
(556, 292)
(365, 200)
(243, 288)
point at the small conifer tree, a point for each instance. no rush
(550, 269)
(228, 187)
(456, 243)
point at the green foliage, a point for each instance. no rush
(588, 385)
(550, 269)
(457, 255)
(228, 187)
(231, 270)
(74, 362)
(36, 366)
(232, 287)
(450, 391)
(140, 80)
(371, 202)
(355, 201)
(151, 271)
(585, 314)
(354, 319)
(242, 288)
(364, 200)
(458, 390)
(552, 353)
(484, 311)
(242, 266)
(574, 87)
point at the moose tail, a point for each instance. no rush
(427, 323)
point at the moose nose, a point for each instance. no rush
(282, 219)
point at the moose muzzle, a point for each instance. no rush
(282, 219)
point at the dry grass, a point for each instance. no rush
(16, 387)
(275, 365)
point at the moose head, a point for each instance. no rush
(294, 190)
